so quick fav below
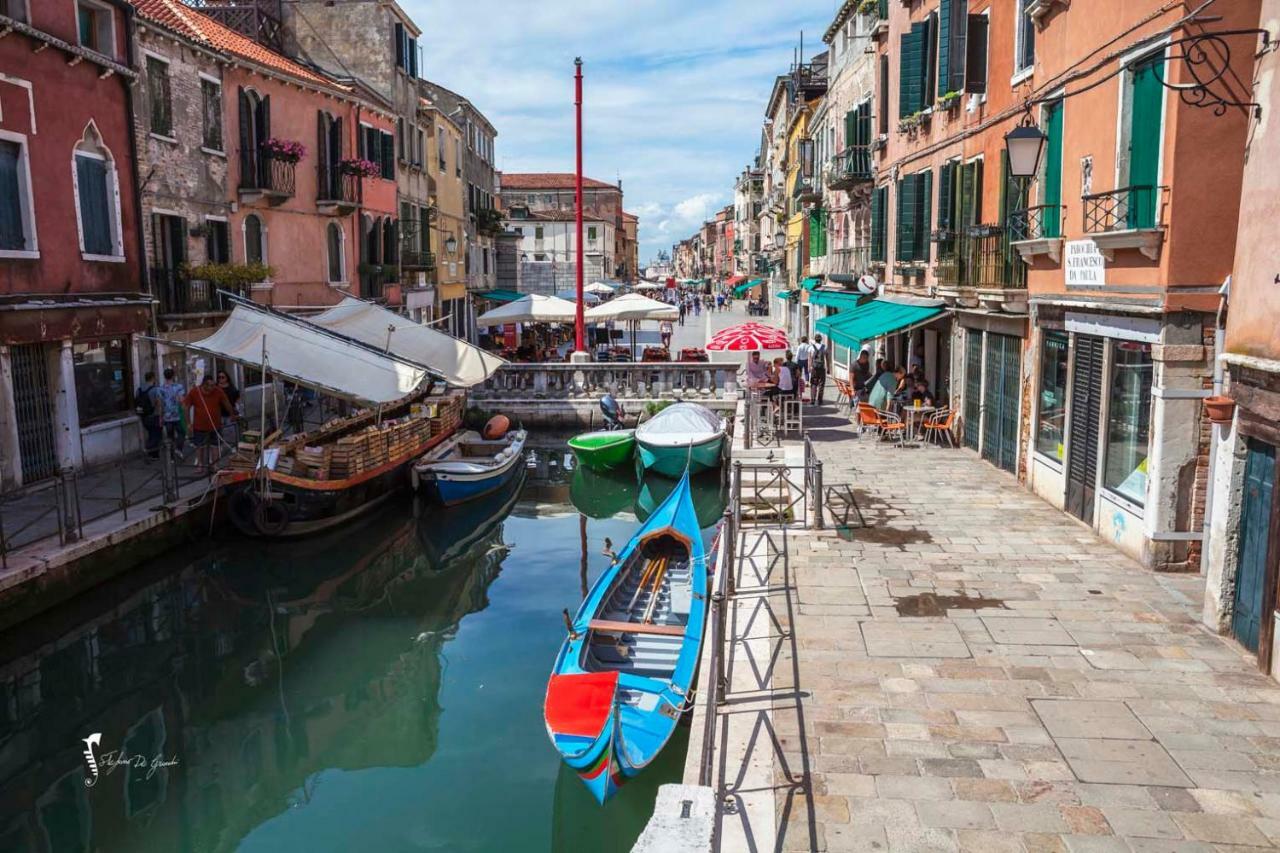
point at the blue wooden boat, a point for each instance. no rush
(621, 680)
(468, 466)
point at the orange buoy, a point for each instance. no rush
(496, 428)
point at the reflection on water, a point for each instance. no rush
(380, 688)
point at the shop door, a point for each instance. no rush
(1000, 401)
(1082, 431)
(1255, 527)
(34, 411)
(972, 387)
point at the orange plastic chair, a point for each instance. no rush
(940, 427)
(844, 393)
(869, 418)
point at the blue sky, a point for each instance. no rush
(675, 91)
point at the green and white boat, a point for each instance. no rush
(603, 449)
(680, 436)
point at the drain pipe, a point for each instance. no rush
(1219, 332)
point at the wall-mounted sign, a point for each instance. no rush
(1084, 265)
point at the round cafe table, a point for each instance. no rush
(914, 416)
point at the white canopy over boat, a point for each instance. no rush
(311, 356)
(458, 362)
(680, 425)
(534, 308)
(632, 306)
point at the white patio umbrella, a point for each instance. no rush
(647, 285)
(600, 288)
(632, 308)
(534, 308)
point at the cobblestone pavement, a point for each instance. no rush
(979, 672)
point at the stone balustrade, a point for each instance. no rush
(632, 380)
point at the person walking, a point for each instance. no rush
(818, 370)
(208, 404)
(804, 353)
(665, 329)
(171, 394)
(147, 399)
(683, 308)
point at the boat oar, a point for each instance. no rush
(644, 579)
(657, 587)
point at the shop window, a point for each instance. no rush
(1129, 421)
(217, 241)
(1052, 412)
(102, 379)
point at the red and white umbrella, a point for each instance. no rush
(748, 337)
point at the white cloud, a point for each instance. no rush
(674, 91)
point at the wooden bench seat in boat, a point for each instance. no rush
(635, 628)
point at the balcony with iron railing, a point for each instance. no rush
(264, 173)
(179, 295)
(337, 191)
(979, 264)
(850, 168)
(414, 259)
(806, 189)
(1126, 218)
(845, 266)
(1036, 231)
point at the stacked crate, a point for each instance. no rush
(350, 456)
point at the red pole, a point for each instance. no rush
(578, 322)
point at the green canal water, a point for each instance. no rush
(378, 688)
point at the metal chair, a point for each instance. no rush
(791, 414)
(940, 427)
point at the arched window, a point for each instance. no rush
(97, 198)
(336, 264)
(255, 240)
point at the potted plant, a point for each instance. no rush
(360, 167)
(237, 278)
(1220, 409)
(285, 150)
(950, 100)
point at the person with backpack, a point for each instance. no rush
(818, 370)
(146, 404)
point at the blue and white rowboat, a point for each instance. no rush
(468, 466)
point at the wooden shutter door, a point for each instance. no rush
(972, 388)
(95, 219)
(1085, 410)
(1255, 522)
(944, 44)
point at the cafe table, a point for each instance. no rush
(914, 417)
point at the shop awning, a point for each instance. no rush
(745, 287)
(500, 295)
(460, 363)
(877, 319)
(783, 294)
(810, 283)
(735, 279)
(311, 356)
(843, 300)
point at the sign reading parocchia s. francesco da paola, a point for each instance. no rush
(1085, 265)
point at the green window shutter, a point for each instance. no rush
(899, 225)
(884, 93)
(924, 217)
(944, 45)
(929, 62)
(879, 201)
(1145, 134)
(946, 199)
(11, 232)
(964, 204)
(904, 75)
(1051, 183)
(911, 70)
(959, 44)
(95, 217)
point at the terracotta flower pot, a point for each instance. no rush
(1220, 409)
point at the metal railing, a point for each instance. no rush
(413, 259)
(1044, 221)
(1121, 210)
(178, 294)
(336, 186)
(628, 379)
(850, 168)
(61, 506)
(775, 494)
(850, 261)
(722, 591)
(979, 256)
(263, 171)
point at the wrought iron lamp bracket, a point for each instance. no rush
(1206, 57)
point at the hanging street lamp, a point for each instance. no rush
(451, 245)
(1025, 146)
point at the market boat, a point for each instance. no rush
(685, 434)
(603, 449)
(621, 680)
(468, 466)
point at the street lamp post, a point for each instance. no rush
(579, 353)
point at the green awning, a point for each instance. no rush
(873, 320)
(742, 289)
(811, 282)
(783, 294)
(844, 301)
(500, 295)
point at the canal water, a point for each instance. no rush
(377, 688)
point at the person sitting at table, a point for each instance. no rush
(882, 386)
(902, 385)
(920, 393)
(757, 371)
(782, 381)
